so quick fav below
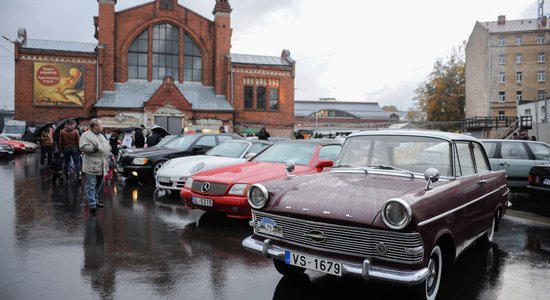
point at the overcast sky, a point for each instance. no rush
(352, 50)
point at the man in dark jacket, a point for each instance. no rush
(153, 139)
(69, 139)
(263, 134)
(139, 139)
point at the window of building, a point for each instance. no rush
(501, 115)
(248, 94)
(274, 99)
(501, 96)
(519, 41)
(501, 77)
(519, 58)
(540, 39)
(519, 95)
(541, 58)
(165, 51)
(260, 97)
(137, 57)
(519, 76)
(541, 94)
(541, 76)
(501, 59)
(543, 112)
(192, 60)
(527, 112)
(501, 41)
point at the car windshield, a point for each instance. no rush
(394, 152)
(299, 153)
(19, 129)
(229, 149)
(165, 140)
(540, 150)
(181, 142)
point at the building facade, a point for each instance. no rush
(506, 64)
(155, 64)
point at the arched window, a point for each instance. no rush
(137, 57)
(165, 49)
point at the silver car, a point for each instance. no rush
(516, 157)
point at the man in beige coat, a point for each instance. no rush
(95, 147)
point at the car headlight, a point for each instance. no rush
(188, 183)
(237, 189)
(396, 213)
(257, 196)
(140, 161)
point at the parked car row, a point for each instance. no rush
(10, 146)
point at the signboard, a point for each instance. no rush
(58, 84)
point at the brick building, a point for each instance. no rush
(157, 63)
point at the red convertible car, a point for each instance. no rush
(397, 207)
(224, 189)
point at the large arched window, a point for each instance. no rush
(165, 48)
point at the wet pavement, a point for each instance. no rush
(145, 245)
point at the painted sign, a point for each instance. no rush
(58, 84)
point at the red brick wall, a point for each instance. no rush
(24, 87)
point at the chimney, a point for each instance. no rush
(501, 20)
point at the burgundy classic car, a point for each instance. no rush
(223, 190)
(397, 207)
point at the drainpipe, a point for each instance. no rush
(99, 46)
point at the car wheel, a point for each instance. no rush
(287, 270)
(429, 288)
(156, 168)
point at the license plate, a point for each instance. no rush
(202, 201)
(119, 169)
(313, 263)
(546, 181)
(163, 179)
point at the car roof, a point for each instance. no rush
(322, 142)
(450, 136)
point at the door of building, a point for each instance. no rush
(171, 124)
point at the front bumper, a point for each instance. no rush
(138, 172)
(365, 270)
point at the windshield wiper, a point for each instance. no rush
(352, 167)
(387, 167)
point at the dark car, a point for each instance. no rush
(397, 207)
(142, 164)
(539, 182)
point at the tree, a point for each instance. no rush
(442, 96)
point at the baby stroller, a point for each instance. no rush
(57, 168)
(111, 173)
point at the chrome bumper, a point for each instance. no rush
(365, 270)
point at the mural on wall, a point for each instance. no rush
(58, 84)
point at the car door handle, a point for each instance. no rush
(482, 182)
(504, 164)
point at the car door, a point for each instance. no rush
(517, 161)
(473, 187)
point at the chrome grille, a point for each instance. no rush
(215, 188)
(355, 241)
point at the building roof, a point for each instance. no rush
(133, 93)
(59, 45)
(363, 110)
(514, 26)
(259, 60)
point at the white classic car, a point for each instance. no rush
(174, 173)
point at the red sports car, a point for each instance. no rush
(18, 147)
(224, 189)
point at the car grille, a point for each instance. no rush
(215, 188)
(348, 240)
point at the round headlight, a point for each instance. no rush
(396, 213)
(257, 196)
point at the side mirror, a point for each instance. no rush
(431, 175)
(324, 164)
(289, 167)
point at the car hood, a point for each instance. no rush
(346, 197)
(181, 166)
(250, 172)
(146, 152)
